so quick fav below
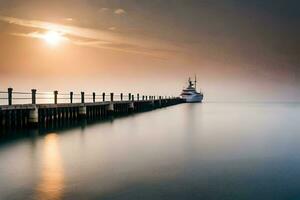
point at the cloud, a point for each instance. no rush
(103, 9)
(120, 11)
(95, 38)
(38, 35)
(112, 28)
(69, 19)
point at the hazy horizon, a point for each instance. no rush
(239, 50)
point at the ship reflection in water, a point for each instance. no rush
(51, 184)
(227, 151)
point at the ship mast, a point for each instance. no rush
(195, 82)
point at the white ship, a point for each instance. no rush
(190, 93)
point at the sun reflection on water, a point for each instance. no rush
(51, 184)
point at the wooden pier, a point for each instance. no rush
(72, 107)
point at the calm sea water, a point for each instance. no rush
(188, 151)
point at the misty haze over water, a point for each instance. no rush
(188, 151)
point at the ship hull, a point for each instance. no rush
(193, 98)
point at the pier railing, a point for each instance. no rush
(11, 97)
(35, 108)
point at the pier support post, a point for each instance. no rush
(121, 96)
(131, 104)
(82, 109)
(103, 96)
(9, 95)
(110, 108)
(152, 102)
(143, 98)
(55, 97)
(71, 97)
(33, 96)
(131, 107)
(129, 96)
(138, 96)
(33, 119)
(159, 101)
(82, 112)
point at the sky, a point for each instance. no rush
(240, 50)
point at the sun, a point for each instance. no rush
(52, 37)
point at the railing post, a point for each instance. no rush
(129, 96)
(146, 98)
(94, 97)
(9, 93)
(138, 96)
(55, 96)
(33, 96)
(103, 96)
(71, 97)
(111, 97)
(143, 98)
(121, 96)
(132, 97)
(82, 97)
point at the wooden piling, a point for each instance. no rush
(82, 97)
(71, 97)
(33, 96)
(9, 94)
(111, 97)
(94, 97)
(55, 96)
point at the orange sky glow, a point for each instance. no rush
(148, 47)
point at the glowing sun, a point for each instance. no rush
(52, 37)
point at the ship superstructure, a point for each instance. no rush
(190, 93)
